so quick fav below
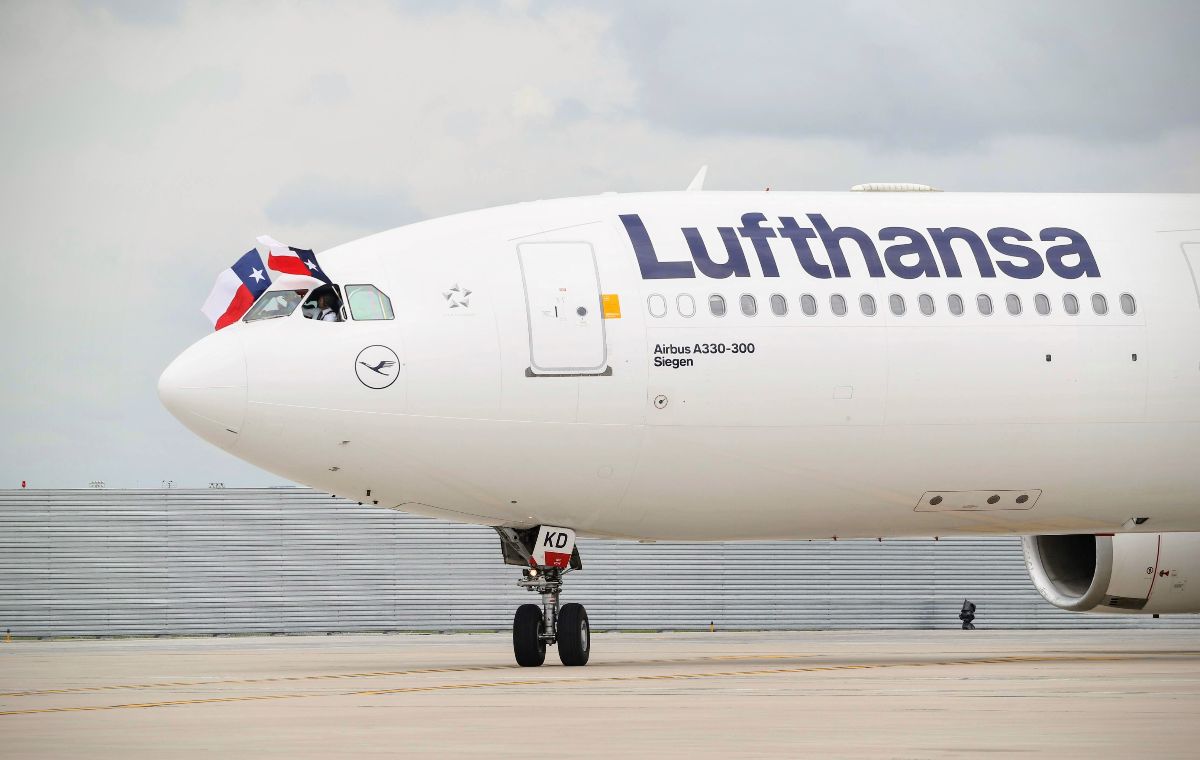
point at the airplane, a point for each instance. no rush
(714, 366)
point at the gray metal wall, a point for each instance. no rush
(108, 562)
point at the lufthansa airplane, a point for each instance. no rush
(713, 366)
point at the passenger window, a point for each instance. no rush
(778, 305)
(657, 304)
(368, 303)
(716, 304)
(1013, 302)
(1099, 304)
(808, 305)
(1127, 304)
(956, 304)
(686, 305)
(749, 305)
(984, 301)
(1041, 303)
(897, 303)
(1070, 304)
(866, 302)
(838, 304)
(926, 304)
(274, 304)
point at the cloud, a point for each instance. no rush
(922, 74)
(154, 12)
(312, 200)
(328, 88)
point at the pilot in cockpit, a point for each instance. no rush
(323, 305)
(327, 308)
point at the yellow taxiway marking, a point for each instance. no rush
(570, 680)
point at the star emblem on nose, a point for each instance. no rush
(457, 297)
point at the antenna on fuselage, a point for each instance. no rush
(697, 182)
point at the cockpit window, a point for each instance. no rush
(368, 302)
(324, 304)
(275, 303)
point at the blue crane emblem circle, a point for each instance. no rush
(377, 367)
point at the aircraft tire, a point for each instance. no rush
(574, 635)
(527, 636)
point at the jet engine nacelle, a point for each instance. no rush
(1130, 572)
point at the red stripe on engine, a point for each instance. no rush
(241, 303)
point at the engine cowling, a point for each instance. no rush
(1145, 573)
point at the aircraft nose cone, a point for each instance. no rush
(205, 388)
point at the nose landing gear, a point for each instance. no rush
(534, 627)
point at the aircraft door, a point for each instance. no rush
(562, 300)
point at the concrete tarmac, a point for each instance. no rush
(903, 694)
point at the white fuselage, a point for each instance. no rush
(530, 401)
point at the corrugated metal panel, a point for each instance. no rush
(107, 562)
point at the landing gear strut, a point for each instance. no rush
(534, 627)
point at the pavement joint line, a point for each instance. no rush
(586, 679)
(376, 674)
(243, 681)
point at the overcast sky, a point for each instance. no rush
(146, 144)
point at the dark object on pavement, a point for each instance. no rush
(967, 615)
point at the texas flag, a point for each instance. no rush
(236, 290)
(288, 260)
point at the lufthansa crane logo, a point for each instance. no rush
(377, 367)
